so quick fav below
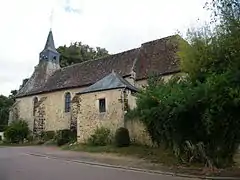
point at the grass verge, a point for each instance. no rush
(158, 156)
(154, 155)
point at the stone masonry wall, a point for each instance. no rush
(89, 117)
(14, 112)
(55, 115)
(25, 107)
(74, 113)
(40, 116)
(138, 133)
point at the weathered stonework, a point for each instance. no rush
(39, 116)
(138, 133)
(74, 113)
(54, 105)
(14, 112)
(84, 114)
(89, 117)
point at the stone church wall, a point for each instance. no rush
(39, 116)
(56, 117)
(85, 110)
(25, 107)
(54, 109)
(89, 117)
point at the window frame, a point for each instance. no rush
(67, 102)
(102, 109)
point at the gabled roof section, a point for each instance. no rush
(50, 43)
(111, 81)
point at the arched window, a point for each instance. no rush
(67, 102)
(35, 101)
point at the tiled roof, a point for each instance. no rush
(111, 81)
(89, 72)
(157, 56)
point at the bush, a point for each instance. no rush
(65, 136)
(30, 138)
(47, 135)
(17, 131)
(122, 138)
(198, 121)
(101, 137)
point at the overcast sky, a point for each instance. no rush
(116, 25)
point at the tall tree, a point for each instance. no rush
(5, 104)
(214, 47)
(78, 52)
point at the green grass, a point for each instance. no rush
(2, 144)
(155, 155)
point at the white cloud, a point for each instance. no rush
(115, 25)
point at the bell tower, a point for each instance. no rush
(49, 53)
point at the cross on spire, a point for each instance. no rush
(51, 18)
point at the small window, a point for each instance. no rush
(102, 105)
(67, 102)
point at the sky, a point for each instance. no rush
(116, 25)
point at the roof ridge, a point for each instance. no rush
(166, 37)
(124, 81)
(100, 58)
(99, 85)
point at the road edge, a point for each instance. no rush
(127, 168)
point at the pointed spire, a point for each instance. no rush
(49, 53)
(50, 42)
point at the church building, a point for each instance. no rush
(90, 94)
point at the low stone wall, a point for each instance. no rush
(138, 133)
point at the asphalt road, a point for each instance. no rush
(17, 164)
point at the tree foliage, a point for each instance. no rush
(17, 131)
(100, 137)
(198, 117)
(78, 52)
(5, 104)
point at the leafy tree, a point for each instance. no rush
(217, 50)
(12, 95)
(78, 52)
(5, 104)
(198, 117)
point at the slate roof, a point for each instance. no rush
(159, 56)
(50, 43)
(89, 72)
(111, 81)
